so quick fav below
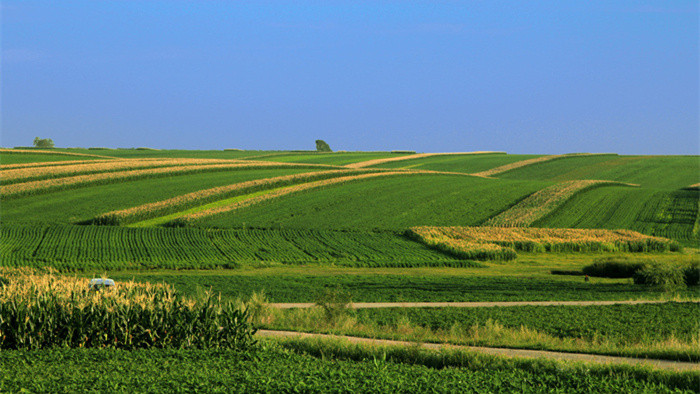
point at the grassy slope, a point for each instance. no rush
(82, 204)
(335, 158)
(658, 172)
(458, 163)
(387, 203)
(667, 213)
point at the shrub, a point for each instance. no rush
(334, 302)
(613, 267)
(666, 276)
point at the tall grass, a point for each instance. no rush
(40, 309)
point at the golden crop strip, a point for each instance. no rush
(49, 152)
(87, 168)
(27, 187)
(523, 163)
(220, 190)
(409, 157)
(282, 192)
(50, 164)
(695, 186)
(27, 285)
(530, 234)
(540, 203)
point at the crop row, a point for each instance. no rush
(525, 163)
(43, 186)
(500, 243)
(42, 310)
(49, 152)
(201, 197)
(543, 202)
(375, 162)
(107, 247)
(16, 166)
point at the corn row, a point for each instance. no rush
(42, 309)
(523, 163)
(49, 152)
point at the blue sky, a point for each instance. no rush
(523, 77)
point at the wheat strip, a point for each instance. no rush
(541, 203)
(201, 195)
(282, 192)
(17, 175)
(56, 183)
(409, 157)
(49, 164)
(49, 152)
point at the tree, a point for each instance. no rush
(322, 146)
(43, 142)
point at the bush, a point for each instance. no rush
(334, 302)
(613, 267)
(666, 276)
(692, 274)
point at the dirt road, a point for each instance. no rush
(366, 305)
(520, 353)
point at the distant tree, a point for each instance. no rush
(43, 142)
(322, 146)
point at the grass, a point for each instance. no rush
(110, 248)
(440, 200)
(671, 214)
(83, 204)
(304, 366)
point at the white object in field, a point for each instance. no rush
(97, 284)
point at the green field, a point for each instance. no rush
(458, 163)
(110, 248)
(292, 368)
(23, 158)
(69, 206)
(425, 199)
(350, 239)
(666, 213)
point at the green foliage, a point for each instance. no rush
(102, 247)
(43, 142)
(336, 158)
(469, 164)
(335, 302)
(322, 146)
(669, 277)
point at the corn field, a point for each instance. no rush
(498, 243)
(40, 309)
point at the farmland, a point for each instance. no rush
(249, 228)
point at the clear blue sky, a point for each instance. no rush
(524, 77)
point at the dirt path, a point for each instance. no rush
(367, 305)
(519, 353)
